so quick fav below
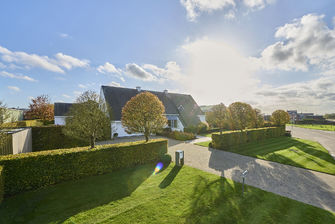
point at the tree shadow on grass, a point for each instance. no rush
(170, 177)
(55, 204)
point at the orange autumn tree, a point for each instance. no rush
(40, 108)
(143, 113)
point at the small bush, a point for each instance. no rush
(191, 129)
(29, 171)
(288, 133)
(178, 135)
(202, 128)
(228, 140)
(1, 184)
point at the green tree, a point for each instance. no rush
(86, 120)
(40, 108)
(330, 116)
(258, 119)
(280, 117)
(241, 115)
(144, 113)
(217, 116)
(4, 115)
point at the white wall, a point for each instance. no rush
(22, 141)
(60, 120)
(202, 118)
(117, 127)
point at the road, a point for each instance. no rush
(325, 138)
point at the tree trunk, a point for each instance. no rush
(92, 142)
(220, 131)
(146, 137)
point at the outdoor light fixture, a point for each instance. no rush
(244, 174)
(179, 157)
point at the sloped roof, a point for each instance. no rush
(117, 97)
(61, 109)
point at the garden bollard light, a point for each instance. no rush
(244, 174)
(179, 157)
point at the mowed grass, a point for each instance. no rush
(324, 127)
(291, 151)
(176, 195)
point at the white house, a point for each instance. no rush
(181, 109)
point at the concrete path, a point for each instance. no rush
(303, 185)
(325, 138)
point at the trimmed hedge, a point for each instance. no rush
(29, 171)
(230, 139)
(52, 137)
(22, 124)
(1, 184)
(178, 135)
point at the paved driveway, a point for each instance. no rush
(325, 138)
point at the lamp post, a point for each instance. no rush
(244, 174)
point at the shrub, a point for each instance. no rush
(202, 128)
(52, 137)
(1, 184)
(288, 133)
(29, 171)
(178, 135)
(228, 140)
(191, 129)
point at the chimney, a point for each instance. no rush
(166, 91)
(138, 88)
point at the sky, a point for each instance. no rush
(273, 54)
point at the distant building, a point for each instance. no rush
(267, 117)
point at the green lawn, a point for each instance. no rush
(292, 151)
(175, 195)
(324, 127)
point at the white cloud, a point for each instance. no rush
(82, 86)
(171, 71)
(66, 96)
(14, 88)
(64, 35)
(13, 76)
(77, 93)
(33, 60)
(69, 62)
(257, 4)
(108, 68)
(195, 8)
(138, 72)
(116, 84)
(306, 42)
(2, 65)
(316, 95)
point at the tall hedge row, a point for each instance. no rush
(29, 171)
(52, 137)
(231, 139)
(2, 190)
(25, 123)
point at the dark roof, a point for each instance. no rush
(117, 97)
(61, 109)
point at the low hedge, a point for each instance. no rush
(22, 124)
(1, 184)
(29, 171)
(178, 135)
(228, 140)
(52, 137)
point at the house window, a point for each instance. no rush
(180, 108)
(173, 123)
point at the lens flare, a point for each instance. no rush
(158, 167)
